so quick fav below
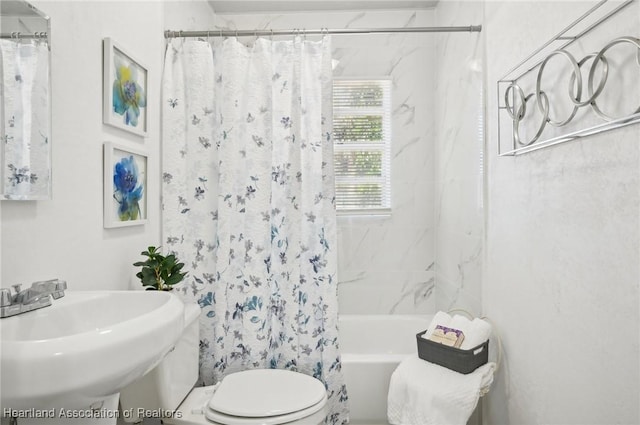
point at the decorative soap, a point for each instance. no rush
(447, 336)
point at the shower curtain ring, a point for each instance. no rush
(271, 38)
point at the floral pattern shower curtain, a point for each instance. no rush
(248, 204)
(25, 125)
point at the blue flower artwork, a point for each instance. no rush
(128, 188)
(125, 90)
(128, 95)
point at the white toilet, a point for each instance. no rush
(251, 397)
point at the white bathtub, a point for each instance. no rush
(372, 346)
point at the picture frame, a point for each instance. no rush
(125, 186)
(125, 90)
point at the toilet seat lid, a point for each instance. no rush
(262, 393)
(307, 416)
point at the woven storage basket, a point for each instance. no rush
(463, 361)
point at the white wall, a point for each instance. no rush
(187, 15)
(459, 159)
(385, 263)
(1, 245)
(64, 237)
(562, 248)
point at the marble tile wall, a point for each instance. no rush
(459, 159)
(386, 264)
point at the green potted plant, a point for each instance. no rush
(158, 272)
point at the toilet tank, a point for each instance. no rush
(164, 387)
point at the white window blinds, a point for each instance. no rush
(362, 145)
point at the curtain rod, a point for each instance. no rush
(20, 35)
(323, 31)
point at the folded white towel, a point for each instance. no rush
(461, 323)
(440, 318)
(423, 393)
(479, 331)
(475, 331)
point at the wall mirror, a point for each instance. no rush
(25, 105)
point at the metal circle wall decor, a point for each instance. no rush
(516, 99)
(576, 76)
(603, 80)
(594, 105)
(545, 118)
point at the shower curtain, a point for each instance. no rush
(24, 119)
(248, 204)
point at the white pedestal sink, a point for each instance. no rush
(79, 353)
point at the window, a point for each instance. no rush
(362, 145)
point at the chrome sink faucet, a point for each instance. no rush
(35, 297)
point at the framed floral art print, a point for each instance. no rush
(125, 90)
(125, 186)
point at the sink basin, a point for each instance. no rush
(84, 348)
